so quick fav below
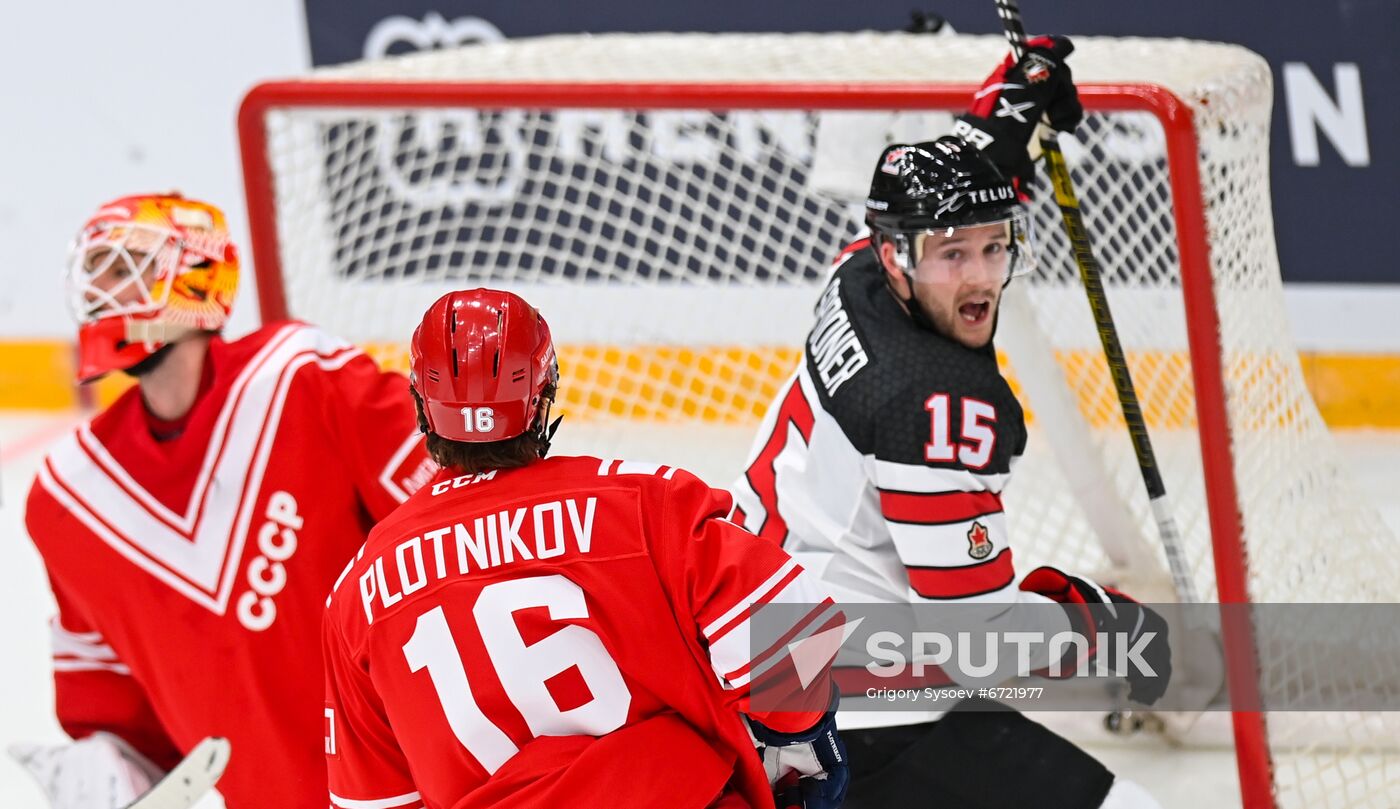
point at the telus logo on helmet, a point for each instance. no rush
(975, 196)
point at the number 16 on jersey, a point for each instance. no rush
(523, 671)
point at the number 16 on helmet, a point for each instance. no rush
(482, 361)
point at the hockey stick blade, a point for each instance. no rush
(191, 779)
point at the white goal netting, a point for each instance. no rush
(671, 204)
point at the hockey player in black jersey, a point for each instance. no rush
(882, 462)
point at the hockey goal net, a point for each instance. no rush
(672, 202)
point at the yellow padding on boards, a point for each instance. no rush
(1355, 390)
(658, 383)
(733, 385)
(36, 375)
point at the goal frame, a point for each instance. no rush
(1197, 287)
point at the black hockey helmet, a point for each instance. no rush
(942, 185)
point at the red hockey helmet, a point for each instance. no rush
(480, 361)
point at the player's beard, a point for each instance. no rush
(945, 321)
(150, 363)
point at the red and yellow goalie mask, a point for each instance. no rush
(144, 272)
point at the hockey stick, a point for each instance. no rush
(1092, 276)
(190, 780)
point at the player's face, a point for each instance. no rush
(959, 278)
(114, 283)
(119, 274)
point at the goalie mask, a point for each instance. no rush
(144, 272)
(481, 361)
(924, 195)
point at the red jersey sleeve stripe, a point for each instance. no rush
(825, 610)
(770, 585)
(755, 600)
(938, 508)
(963, 582)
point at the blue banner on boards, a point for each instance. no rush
(1334, 174)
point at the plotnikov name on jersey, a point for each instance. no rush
(538, 531)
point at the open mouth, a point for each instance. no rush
(975, 313)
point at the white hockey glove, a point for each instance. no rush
(99, 772)
(102, 771)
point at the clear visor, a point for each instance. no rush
(116, 270)
(992, 251)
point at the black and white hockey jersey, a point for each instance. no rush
(887, 452)
(881, 464)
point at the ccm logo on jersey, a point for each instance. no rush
(444, 486)
(277, 541)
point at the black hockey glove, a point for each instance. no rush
(817, 756)
(1012, 101)
(1094, 609)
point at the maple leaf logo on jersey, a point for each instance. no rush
(979, 544)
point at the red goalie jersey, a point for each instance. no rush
(572, 633)
(191, 572)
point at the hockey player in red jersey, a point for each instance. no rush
(532, 631)
(882, 462)
(191, 530)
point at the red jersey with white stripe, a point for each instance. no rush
(191, 572)
(575, 632)
(880, 466)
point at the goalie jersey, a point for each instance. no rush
(576, 632)
(190, 573)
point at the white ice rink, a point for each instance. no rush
(1187, 779)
